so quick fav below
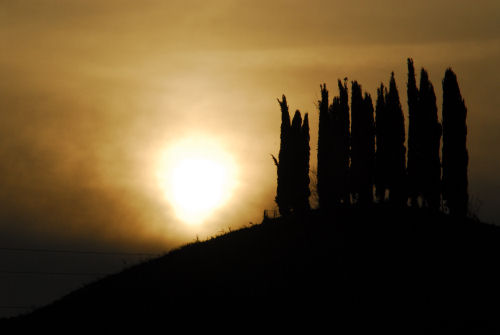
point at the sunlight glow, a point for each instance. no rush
(197, 177)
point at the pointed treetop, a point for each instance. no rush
(285, 116)
(381, 92)
(449, 74)
(343, 88)
(393, 96)
(297, 120)
(411, 68)
(412, 85)
(283, 102)
(452, 95)
(356, 89)
(392, 83)
(368, 98)
(451, 82)
(323, 103)
(451, 89)
(324, 92)
(424, 78)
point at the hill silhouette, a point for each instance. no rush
(409, 269)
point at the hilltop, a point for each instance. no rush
(373, 267)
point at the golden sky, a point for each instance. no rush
(92, 93)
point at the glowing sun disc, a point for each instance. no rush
(197, 177)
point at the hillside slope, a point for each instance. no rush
(353, 268)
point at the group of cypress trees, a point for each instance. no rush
(364, 151)
(333, 147)
(424, 166)
(362, 145)
(349, 163)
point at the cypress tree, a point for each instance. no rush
(370, 147)
(414, 150)
(342, 138)
(296, 145)
(356, 171)
(396, 146)
(455, 156)
(292, 194)
(381, 156)
(333, 148)
(430, 140)
(304, 191)
(362, 146)
(324, 152)
(338, 181)
(283, 164)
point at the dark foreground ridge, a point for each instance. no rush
(408, 269)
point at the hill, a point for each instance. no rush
(406, 269)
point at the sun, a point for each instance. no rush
(197, 177)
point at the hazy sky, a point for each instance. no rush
(93, 93)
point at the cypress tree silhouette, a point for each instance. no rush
(296, 150)
(381, 155)
(414, 150)
(455, 156)
(356, 171)
(430, 140)
(304, 191)
(324, 170)
(424, 166)
(395, 136)
(283, 164)
(370, 146)
(339, 111)
(333, 148)
(292, 194)
(362, 146)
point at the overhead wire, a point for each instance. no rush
(81, 252)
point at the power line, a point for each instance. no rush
(81, 252)
(17, 307)
(48, 273)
